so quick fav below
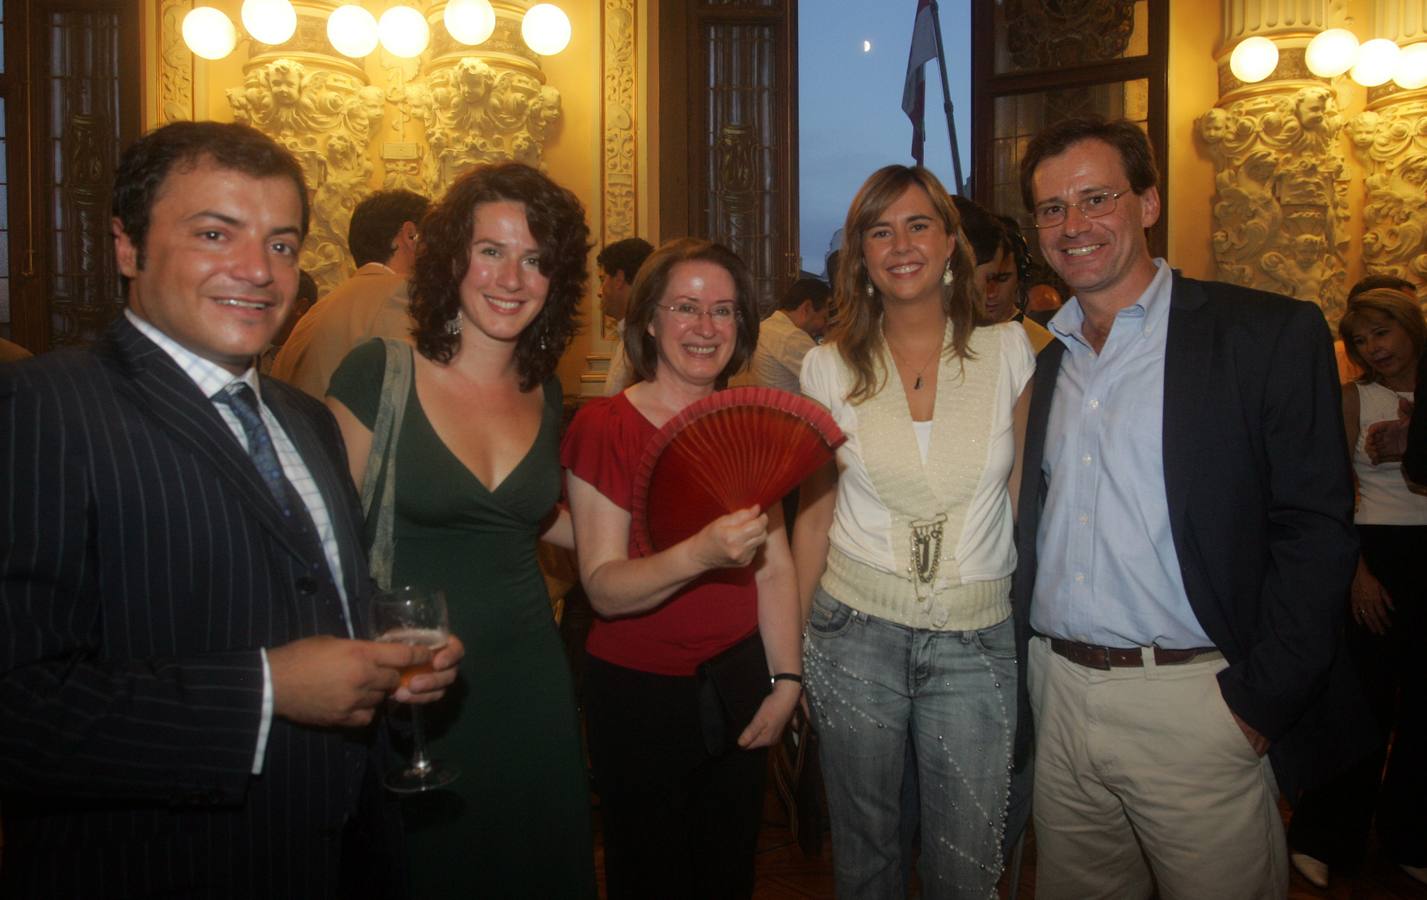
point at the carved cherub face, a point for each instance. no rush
(1363, 128)
(473, 80)
(1216, 125)
(285, 82)
(1311, 107)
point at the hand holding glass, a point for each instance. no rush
(409, 615)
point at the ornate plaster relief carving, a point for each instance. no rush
(176, 68)
(1280, 203)
(1391, 144)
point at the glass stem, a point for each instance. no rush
(420, 762)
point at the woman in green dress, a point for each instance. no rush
(499, 274)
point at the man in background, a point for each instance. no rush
(372, 303)
(619, 263)
(787, 335)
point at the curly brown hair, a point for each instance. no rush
(557, 222)
(648, 290)
(857, 323)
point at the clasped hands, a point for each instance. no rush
(1386, 441)
(335, 682)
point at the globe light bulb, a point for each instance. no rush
(403, 32)
(1254, 59)
(269, 21)
(470, 21)
(1376, 61)
(1411, 71)
(546, 29)
(1331, 52)
(352, 31)
(209, 33)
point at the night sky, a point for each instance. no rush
(850, 117)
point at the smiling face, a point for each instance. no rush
(503, 289)
(1386, 347)
(907, 248)
(694, 350)
(1105, 260)
(219, 267)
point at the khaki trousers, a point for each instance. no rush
(1144, 781)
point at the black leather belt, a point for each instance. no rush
(1094, 657)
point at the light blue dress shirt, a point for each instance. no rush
(1107, 571)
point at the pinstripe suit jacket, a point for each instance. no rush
(142, 565)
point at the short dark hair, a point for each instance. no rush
(1019, 250)
(814, 289)
(149, 161)
(1125, 136)
(648, 290)
(982, 229)
(378, 219)
(624, 256)
(557, 222)
(1379, 281)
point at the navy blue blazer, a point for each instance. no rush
(142, 565)
(1260, 496)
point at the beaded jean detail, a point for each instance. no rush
(875, 686)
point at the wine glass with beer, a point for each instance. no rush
(410, 615)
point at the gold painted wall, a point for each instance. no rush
(1194, 87)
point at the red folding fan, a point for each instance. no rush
(724, 453)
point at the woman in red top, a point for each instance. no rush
(680, 819)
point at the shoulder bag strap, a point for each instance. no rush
(381, 461)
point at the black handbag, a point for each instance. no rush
(732, 686)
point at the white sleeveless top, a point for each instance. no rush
(1383, 495)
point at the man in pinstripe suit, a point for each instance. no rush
(184, 708)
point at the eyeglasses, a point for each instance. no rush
(690, 313)
(1049, 215)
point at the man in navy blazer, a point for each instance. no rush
(1185, 549)
(185, 700)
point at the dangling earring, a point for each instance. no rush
(871, 291)
(947, 277)
(543, 332)
(453, 324)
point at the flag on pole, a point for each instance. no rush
(914, 91)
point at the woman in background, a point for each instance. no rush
(1384, 334)
(904, 549)
(680, 817)
(499, 275)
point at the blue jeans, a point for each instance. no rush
(875, 686)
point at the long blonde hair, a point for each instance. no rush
(857, 317)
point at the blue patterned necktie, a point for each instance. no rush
(244, 404)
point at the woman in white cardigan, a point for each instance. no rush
(904, 547)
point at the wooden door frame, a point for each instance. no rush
(683, 182)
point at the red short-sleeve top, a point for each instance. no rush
(603, 446)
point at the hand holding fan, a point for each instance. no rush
(726, 452)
